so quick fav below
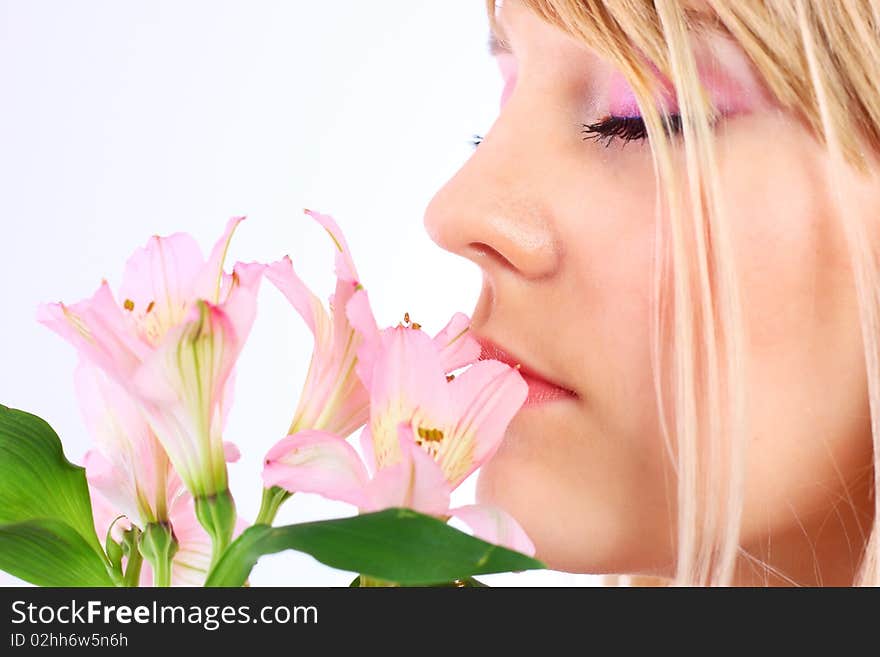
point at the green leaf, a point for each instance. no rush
(36, 480)
(38, 484)
(48, 552)
(396, 545)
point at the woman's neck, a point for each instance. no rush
(822, 550)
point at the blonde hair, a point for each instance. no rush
(820, 60)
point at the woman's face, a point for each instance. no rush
(564, 231)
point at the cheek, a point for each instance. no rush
(588, 483)
(804, 361)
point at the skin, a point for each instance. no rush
(563, 230)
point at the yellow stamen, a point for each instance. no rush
(431, 435)
(150, 306)
(128, 304)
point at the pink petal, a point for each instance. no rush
(408, 371)
(208, 282)
(485, 397)
(193, 557)
(416, 482)
(230, 452)
(99, 331)
(310, 307)
(345, 268)
(333, 398)
(105, 516)
(126, 443)
(360, 316)
(193, 362)
(159, 280)
(111, 416)
(118, 493)
(317, 462)
(180, 388)
(408, 384)
(496, 526)
(240, 303)
(366, 442)
(457, 347)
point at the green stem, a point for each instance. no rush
(372, 582)
(217, 515)
(133, 569)
(273, 498)
(158, 545)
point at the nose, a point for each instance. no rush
(496, 210)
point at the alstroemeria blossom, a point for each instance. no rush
(460, 422)
(333, 397)
(455, 347)
(171, 344)
(427, 431)
(127, 466)
(322, 463)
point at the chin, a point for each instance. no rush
(571, 500)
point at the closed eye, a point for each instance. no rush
(626, 128)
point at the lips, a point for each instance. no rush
(541, 390)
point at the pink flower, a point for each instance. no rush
(427, 432)
(333, 398)
(128, 466)
(460, 422)
(171, 345)
(129, 475)
(320, 462)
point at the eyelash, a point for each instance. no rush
(626, 128)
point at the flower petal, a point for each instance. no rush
(107, 517)
(415, 482)
(127, 444)
(208, 283)
(99, 331)
(180, 388)
(240, 303)
(189, 567)
(485, 397)
(158, 283)
(333, 397)
(496, 526)
(345, 269)
(457, 347)
(230, 452)
(360, 316)
(317, 462)
(408, 385)
(309, 306)
(118, 492)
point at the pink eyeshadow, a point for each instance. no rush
(726, 93)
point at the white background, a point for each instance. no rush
(121, 119)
